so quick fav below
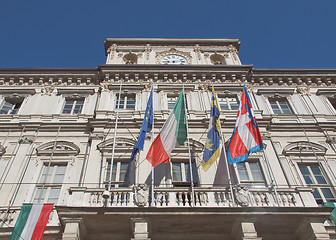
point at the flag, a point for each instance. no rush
(31, 221)
(146, 127)
(173, 134)
(211, 148)
(246, 136)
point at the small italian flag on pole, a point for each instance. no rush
(173, 134)
(31, 221)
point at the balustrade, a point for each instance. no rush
(181, 197)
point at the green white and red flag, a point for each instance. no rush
(32, 221)
(173, 134)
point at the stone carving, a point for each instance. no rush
(105, 86)
(173, 51)
(141, 195)
(241, 194)
(2, 150)
(204, 86)
(147, 86)
(47, 90)
(148, 49)
(26, 140)
(303, 90)
(113, 50)
(197, 50)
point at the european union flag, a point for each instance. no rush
(146, 126)
(211, 148)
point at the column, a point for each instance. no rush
(74, 229)
(140, 229)
(244, 230)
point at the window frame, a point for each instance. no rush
(124, 100)
(251, 182)
(225, 100)
(171, 100)
(73, 106)
(47, 184)
(278, 101)
(10, 111)
(185, 170)
(315, 182)
(116, 182)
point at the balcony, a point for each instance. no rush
(182, 197)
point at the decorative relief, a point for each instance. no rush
(141, 193)
(113, 50)
(173, 51)
(304, 148)
(241, 194)
(204, 86)
(2, 150)
(234, 51)
(197, 50)
(303, 90)
(148, 49)
(60, 148)
(26, 140)
(217, 59)
(147, 86)
(47, 90)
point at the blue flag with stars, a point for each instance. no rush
(211, 147)
(146, 126)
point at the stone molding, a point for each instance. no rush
(173, 51)
(304, 148)
(61, 148)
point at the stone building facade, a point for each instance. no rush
(57, 137)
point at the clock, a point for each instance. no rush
(173, 60)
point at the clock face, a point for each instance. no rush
(173, 60)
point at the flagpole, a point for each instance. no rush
(226, 160)
(272, 179)
(189, 154)
(152, 198)
(114, 137)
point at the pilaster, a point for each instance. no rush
(140, 229)
(244, 230)
(74, 229)
(312, 231)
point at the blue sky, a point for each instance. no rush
(71, 33)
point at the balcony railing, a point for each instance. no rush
(182, 197)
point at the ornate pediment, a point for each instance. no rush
(122, 145)
(173, 51)
(60, 148)
(304, 148)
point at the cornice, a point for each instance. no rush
(48, 76)
(170, 42)
(141, 73)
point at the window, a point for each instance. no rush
(73, 106)
(182, 174)
(313, 177)
(228, 103)
(171, 100)
(280, 106)
(10, 108)
(126, 101)
(250, 174)
(120, 174)
(50, 184)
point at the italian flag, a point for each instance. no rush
(31, 221)
(173, 134)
